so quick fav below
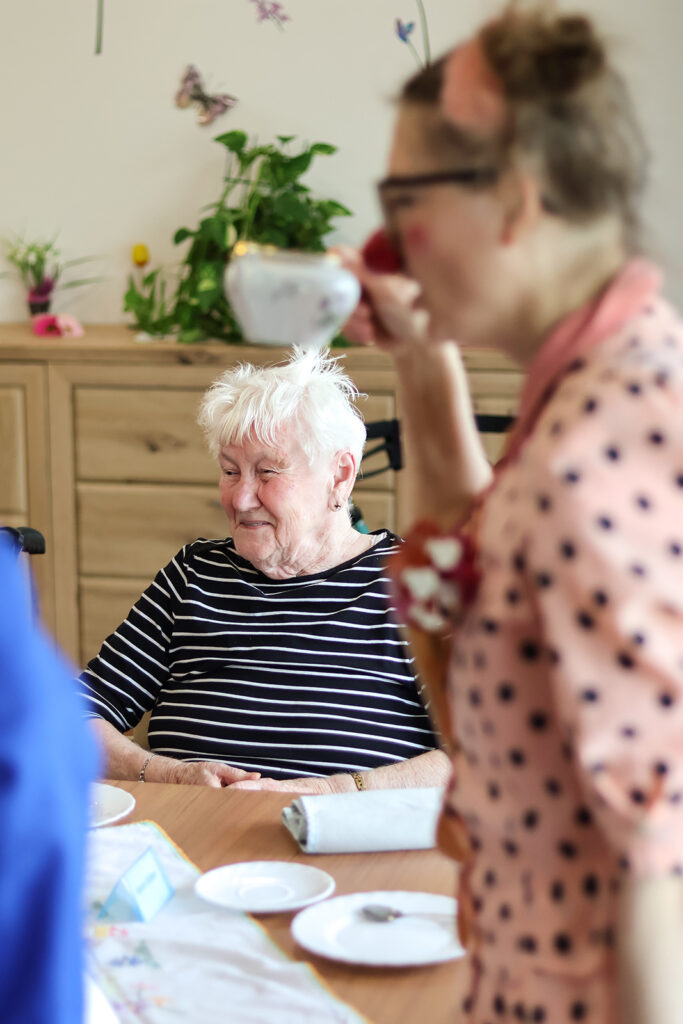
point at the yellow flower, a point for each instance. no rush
(140, 254)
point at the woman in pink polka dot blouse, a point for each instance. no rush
(557, 578)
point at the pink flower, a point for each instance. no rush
(60, 326)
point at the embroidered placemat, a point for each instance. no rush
(192, 962)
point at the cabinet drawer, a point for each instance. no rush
(133, 530)
(142, 434)
(151, 435)
(105, 601)
(378, 508)
(379, 406)
(104, 604)
(13, 488)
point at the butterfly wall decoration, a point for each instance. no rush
(192, 93)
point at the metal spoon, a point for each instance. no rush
(382, 914)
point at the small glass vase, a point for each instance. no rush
(38, 306)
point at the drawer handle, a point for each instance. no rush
(159, 442)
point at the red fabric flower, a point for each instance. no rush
(380, 255)
(435, 576)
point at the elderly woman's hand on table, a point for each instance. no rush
(208, 773)
(315, 786)
(430, 769)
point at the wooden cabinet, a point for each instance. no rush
(24, 463)
(100, 450)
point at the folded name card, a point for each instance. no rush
(140, 892)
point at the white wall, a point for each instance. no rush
(94, 148)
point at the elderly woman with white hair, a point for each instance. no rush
(271, 659)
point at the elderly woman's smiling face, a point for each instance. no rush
(280, 508)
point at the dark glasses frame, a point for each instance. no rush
(464, 176)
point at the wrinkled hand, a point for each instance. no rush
(209, 773)
(389, 314)
(331, 784)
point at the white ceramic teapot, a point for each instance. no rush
(286, 297)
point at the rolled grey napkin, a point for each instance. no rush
(368, 821)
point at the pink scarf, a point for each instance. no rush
(633, 287)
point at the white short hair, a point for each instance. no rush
(310, 392)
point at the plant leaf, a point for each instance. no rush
(234, 141)
(80, 282)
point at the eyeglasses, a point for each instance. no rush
(403, 183)
(463, 176)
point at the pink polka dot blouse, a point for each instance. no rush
(566, 680)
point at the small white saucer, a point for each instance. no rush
(264, 886)
(108, 804)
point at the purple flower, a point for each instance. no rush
(404, 29)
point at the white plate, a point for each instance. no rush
(336, 930)
(108, 804)
(264, 886)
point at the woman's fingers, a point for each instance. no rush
(306, 786)
(206, 773)
(360, 327)
(271, 785)
(387, 314)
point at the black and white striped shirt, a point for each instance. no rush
(304, 676)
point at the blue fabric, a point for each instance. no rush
(47, 760)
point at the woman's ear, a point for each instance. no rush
(522, 205)
(344, 474)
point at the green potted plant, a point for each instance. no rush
(39, 266)
(262, 200)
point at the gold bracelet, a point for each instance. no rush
(141, 776)
(358, 779)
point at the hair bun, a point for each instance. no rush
(571, 56)
(536, 56)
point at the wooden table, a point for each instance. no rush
(220, 826)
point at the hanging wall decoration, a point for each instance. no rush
(271, 11)
(192, 93)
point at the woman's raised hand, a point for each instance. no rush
(388, 314)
